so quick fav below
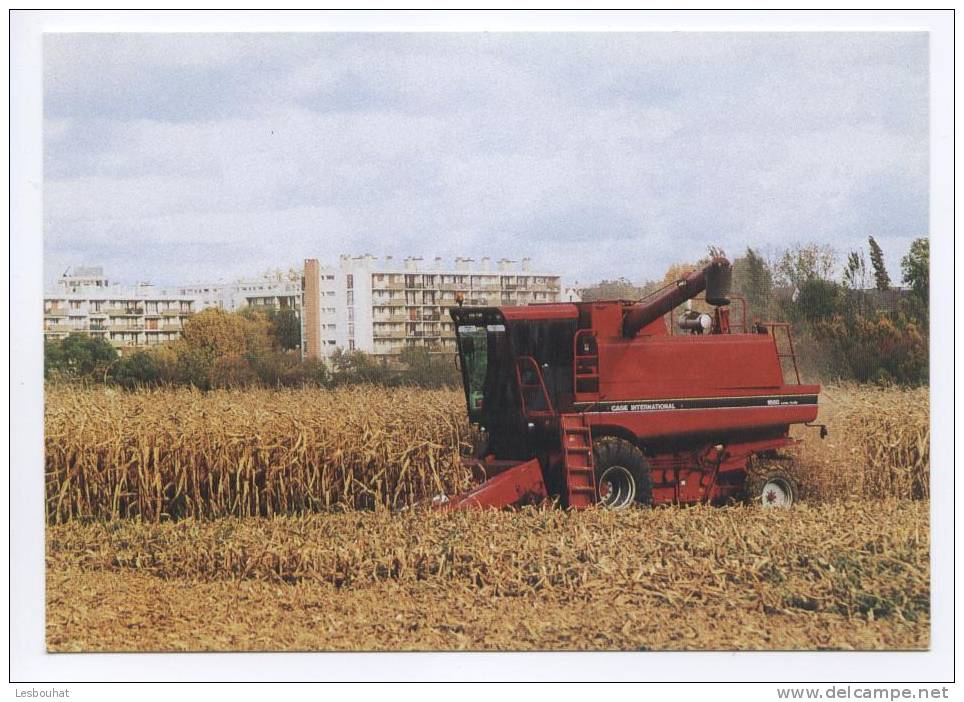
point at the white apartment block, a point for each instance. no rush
(86, 302)
(278, 290)
(363, 303)
(382, 306)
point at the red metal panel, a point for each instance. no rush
(521, 484)
(687, 366)
(548, 311)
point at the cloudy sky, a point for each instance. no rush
(187, 157)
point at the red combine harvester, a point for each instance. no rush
(603, 402)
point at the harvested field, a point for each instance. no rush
(847, 575)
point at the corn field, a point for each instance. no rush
(168, 454)
(878, 446)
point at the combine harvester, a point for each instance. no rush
(600, 402)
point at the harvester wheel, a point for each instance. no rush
(622, 473)
(778, 491)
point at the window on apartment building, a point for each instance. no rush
(351, 344)
(349, 281)
(351, 329)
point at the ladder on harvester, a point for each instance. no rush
(789, 353)
(585, 365)
(578, 464)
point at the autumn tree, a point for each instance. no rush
(804, 262)
(215, 333)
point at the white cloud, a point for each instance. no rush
(597, 155)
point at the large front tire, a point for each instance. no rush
(622, 474)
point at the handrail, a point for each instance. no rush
(771, 328)
(541, 385)
(589, 334)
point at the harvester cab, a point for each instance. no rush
(605, 402)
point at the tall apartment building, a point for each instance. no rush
(382, 306)
(86, 302)
(376, 306)
(280, 290)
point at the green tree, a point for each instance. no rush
(855, 272)
(753, 280)
(279, 329)
(881, 349)
(139, 369)
(310, 372)
(233, 371)
(818, 299)
(78, 355)
(353, 367)
(855, 282)
(619, 289)
(881, 279)
(915, 267)
(427, 369)
(285, 328)
(193, 367)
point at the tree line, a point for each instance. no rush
(219, 349)
(849, 323)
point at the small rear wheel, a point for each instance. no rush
(778, 492)
(622, 474)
